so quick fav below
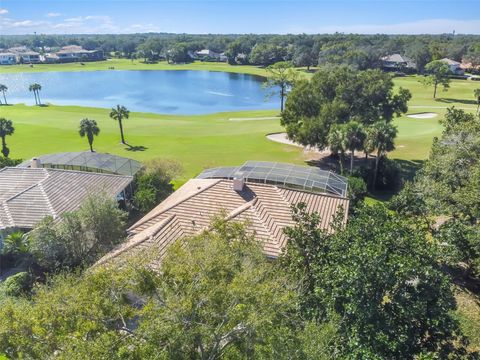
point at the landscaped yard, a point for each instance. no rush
(206, 140)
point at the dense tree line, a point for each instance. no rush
(445, 194)
(361, 51)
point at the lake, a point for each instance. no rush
(165, 92)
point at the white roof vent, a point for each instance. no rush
(36, 163)
(238, 183)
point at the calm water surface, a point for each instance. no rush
(166, 92)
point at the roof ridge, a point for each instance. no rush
(83, 172)
(8, 213)
(242, 208)
(271, 228)
(29, 187)
(168, 208)
(146, 236)
(47, 199)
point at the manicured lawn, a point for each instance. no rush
(196, 141)
(206, 140)
(124, 64)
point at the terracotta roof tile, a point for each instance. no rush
(265, 208)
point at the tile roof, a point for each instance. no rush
(397, 58)
(265, 208)
(450, 61)
(27, 195)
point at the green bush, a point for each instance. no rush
(18, 284)
(154, 183)
(357, 190)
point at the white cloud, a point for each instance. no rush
(428, 26)
(27, 23)
(53, 14)
(3, 11)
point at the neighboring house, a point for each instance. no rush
(73, 53)
(7, 58)
(24, 55)
(258, 193)
(241, 58)
(455, 66)
(27, 195)
(87, 161)
(51, 58)
(468, 66)
(222, 57)
(397, 62)
(207, 54)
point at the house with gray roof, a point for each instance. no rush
(27, 195)
(397, 62)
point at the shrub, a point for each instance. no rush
(81, 237)
(357, 190)
(18, 284)
(154, 183)
(388, 177)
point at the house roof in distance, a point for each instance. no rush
(286, 175)
(27, 195)
(450, 61)
(397, 58)
(88, 161)
(265, 208)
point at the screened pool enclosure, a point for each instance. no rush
(87, 161)
(287, 175)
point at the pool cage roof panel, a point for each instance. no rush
(89, 161)
(287, 175)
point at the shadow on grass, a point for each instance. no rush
(43, 105)
(6, 104)
(461, 101)
(408, 168)
(136, 148)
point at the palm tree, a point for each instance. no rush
(36, 91)
(381, 136)
(6, 128)
(16, 244)
(354, 139)
(119, 113)
(337, 143)
(476, 92)
(89, 129)
(3, 89)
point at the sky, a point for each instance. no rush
(239, 16)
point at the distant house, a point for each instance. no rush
(207, 54)
(258, 193)
(7, 58)
(241, 58)
(27, 195)
(397, 62)
(24, 55)
(222, 57)
(455, 66)
(73, 53)
(468, 66)
(50, 58)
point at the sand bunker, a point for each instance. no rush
(425, 115)
(282, 138)
(255, 118)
